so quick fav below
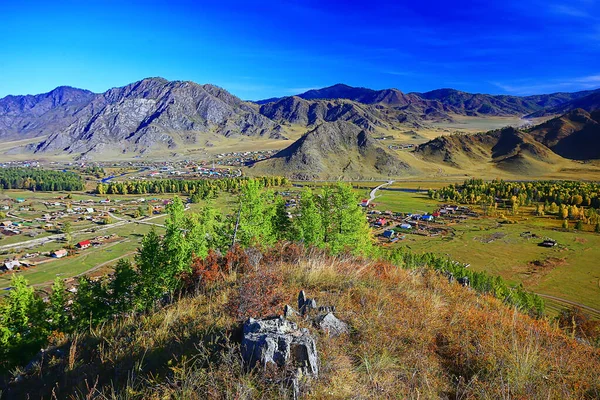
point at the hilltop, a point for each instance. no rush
(412, 334)
(334, 150)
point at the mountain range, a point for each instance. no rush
(340, 121)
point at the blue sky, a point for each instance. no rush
(260, 49)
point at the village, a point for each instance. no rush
(36, 231)
(391, 227)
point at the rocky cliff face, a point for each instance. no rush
(29, 116)
(156, 113)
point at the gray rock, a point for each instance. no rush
(279, 342)
(289, 312)
(304, 304)
(330, 324)
(301, 299)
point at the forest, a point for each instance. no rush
(198, 247)
(39, 179)
(575, 200)
(202, 188)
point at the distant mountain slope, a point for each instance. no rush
(334, 150)
(443, 101)
(507, 149)
(589, 102)
(296, 110)
(498, 105)
(155, 114)
(36, 115)
(575, 135)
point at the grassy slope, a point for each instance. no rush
(571, 271)
(413, 335)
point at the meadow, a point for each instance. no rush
(569, 271)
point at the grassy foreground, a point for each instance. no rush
(413, 335)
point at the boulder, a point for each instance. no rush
(277, 341)
(331, 325)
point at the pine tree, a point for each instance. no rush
(282, 225)
(153, 274)
(56, 311)
(22, 316)
(350, 227)
(255, 215)
(308, 222)
(123, 287)
(175, 247)
(67, 231)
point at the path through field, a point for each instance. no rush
(374, 191)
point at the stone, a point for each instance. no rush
(464, 281)
(277, 341)
(331, 325)
(304, 304)
(301, 299)
(289, 312)
(327, 309)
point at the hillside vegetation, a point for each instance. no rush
(168, 325)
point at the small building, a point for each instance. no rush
(84, 244)
(11, 265)
(389, 234)
(89, 210)
(381, 221)
(6, 223)
(548, 243)
(364, 202)
(20, 200)
(405, 226)
(427, 218)
(59, 253)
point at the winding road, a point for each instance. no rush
(591, 310)
(374, 191)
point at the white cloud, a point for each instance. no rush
(569, 11)
(532, 87)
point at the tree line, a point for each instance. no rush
(39, 179)
(330, 219)
(201, 188)
(568, 200)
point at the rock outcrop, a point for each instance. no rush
(280, 343)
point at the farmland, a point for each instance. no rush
(568, 271)
(120, 237)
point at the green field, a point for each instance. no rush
(130, 234)
(569, 271)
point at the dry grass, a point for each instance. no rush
(413, 335)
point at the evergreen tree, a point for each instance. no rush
(56, 311)
(175, 247)
(282, 225)
(123, 287)
(308, 222)
(350, 227)
(255, 215)
(22, 317)
(68, 231)
(153, 274)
